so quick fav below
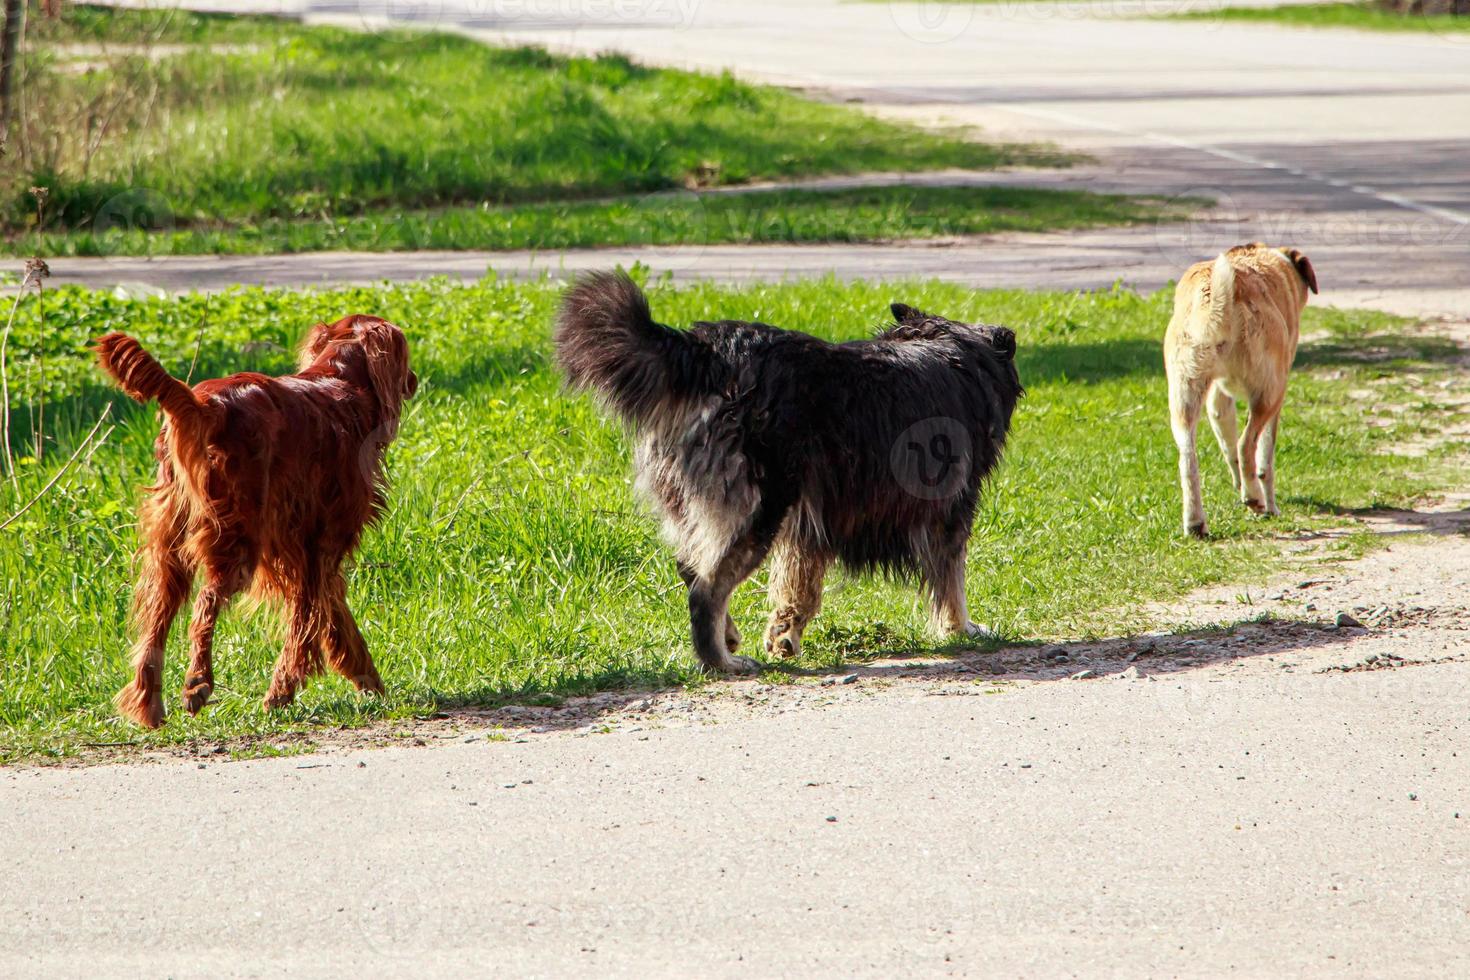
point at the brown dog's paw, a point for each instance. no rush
(370, 683)
(278, 699)
(196, 694)
(140, 707)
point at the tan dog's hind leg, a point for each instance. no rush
(1184, 409)
(1221, 406)
(1252, 489)
(1266, 463)
(796, 595)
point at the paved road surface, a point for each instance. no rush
(1352, 146)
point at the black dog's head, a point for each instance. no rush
(996, 346)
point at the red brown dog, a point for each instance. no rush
(267, 484)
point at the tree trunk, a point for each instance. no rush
(15, 17)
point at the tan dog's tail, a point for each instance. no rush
(1222, 293)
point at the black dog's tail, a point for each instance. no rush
(606, 340)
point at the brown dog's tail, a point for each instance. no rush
(139, 374)
(191, 420)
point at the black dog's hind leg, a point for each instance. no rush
(709, 596)
(943, 565)
(796, 594)
(733, 638)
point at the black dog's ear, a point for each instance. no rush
(1303, 267)
(1003, 339)
(907, 314)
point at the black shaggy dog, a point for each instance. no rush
(752, 438)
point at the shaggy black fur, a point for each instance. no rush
(870, 452)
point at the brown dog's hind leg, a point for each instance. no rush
(1266, 463)
(162, 589)
(796, 595)
(219, 589)
(1263, 413)
(346, 650)
(300, 657)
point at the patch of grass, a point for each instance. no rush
(515, 561)
(149, 118)
(1368, 16)
(860, 215)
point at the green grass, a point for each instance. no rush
(258, 120)
(680, 218)
(515, 562)
(1367, 16)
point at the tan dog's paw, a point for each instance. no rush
(977, 631)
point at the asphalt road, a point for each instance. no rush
(1352, 146)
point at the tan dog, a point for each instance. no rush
(1234, 336)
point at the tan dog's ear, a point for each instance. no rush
(1303, 267)
(387, 365)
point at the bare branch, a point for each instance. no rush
(59, 473)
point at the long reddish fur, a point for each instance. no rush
(264, 484)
